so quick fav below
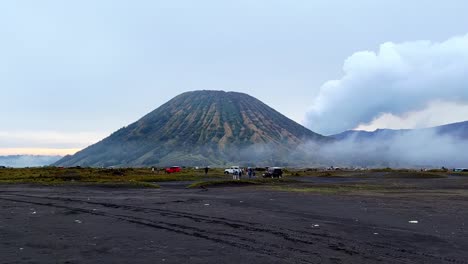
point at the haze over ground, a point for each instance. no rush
(72, 73)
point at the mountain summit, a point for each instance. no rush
(199, 128)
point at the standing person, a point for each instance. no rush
(249, 172)
(206, 171)
(240, 174)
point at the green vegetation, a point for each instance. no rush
(146, 178)
(202, 184)
(383, 173)
(459, 173)
(260, 181)
(133, 177)
(416, 175)
(126, 185)
(412, 172)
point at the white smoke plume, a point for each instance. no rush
(396, 81)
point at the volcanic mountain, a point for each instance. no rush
(200, 128)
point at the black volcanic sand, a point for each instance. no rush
(234, 224)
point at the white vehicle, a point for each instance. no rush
(231, 170)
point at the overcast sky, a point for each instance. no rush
(72, 72)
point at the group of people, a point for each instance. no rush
(237, 174)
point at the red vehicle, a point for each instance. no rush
(173, 169)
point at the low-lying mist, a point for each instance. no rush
(409, 149)
(427, 148)
(20, 161)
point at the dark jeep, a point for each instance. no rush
(273, 172)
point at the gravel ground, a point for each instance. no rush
(78, 224)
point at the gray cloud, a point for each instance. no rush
(398, 79)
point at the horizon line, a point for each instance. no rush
(38, 151)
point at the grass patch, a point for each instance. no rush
(323, 190)
(459, 174)
(390, 170)
(142, 177)
(415, 175)
(221, 183)
(329, 175)
(224, 183)
(127, 185)
(326, 173)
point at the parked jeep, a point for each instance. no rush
(231, 170)
(273, 172)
